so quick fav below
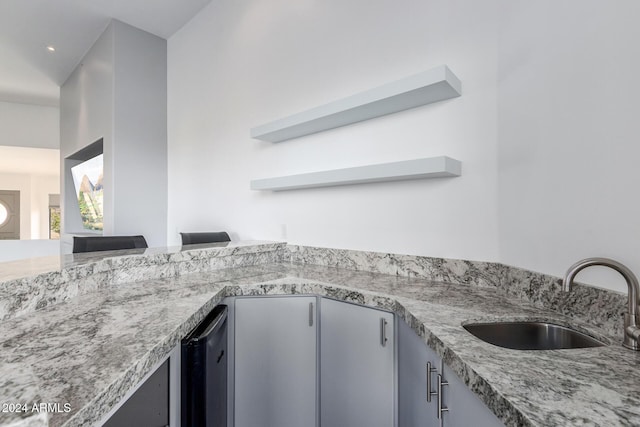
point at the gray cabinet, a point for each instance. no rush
(356, 366)
(464, 408)
(418, 367)
(275, 362)
(277, 371)
(148, 405)
(419, 371)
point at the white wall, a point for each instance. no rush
(86, 115)
(241, 63)
(118, 93)
(568, 134)
(140, 134)
(28, 125)
(546, 128)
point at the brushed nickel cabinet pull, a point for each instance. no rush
(383, 331)
(310, 314)
(430, 370)
(440, 385)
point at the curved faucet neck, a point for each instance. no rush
(631, 279)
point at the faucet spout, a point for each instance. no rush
(631, 321)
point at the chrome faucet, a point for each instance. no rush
(631, 321)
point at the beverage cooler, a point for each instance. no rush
(204, 372)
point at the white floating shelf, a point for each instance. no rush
(432, 167)
(424, 88)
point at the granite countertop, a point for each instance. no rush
(32, 267)
(89, 350)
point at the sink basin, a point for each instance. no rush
(531, 335)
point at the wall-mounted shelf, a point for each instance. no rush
(424, 88)
(432, 167)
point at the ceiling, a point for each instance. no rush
(31, 74)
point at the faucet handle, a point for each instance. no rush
(631, 332)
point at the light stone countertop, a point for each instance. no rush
(91, 349)
(31, 267)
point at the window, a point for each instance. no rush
(4, 214)
(54, 222)
(87, 178)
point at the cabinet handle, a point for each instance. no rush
(440, 385)
(430, 370)
(383, 331)
(310, 314)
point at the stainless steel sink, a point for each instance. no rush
(531, 335)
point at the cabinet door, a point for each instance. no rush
(416, 407)
(356, 366)
(464, 408)
(275, 362)
(149, 404)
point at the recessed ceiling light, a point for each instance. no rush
(51, 48)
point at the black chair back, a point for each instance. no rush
(211, 237)
(107, 243)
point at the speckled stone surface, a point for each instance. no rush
(19, 385)
(91, 349)
(600, 307)
(483, 274)
(35, 283)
